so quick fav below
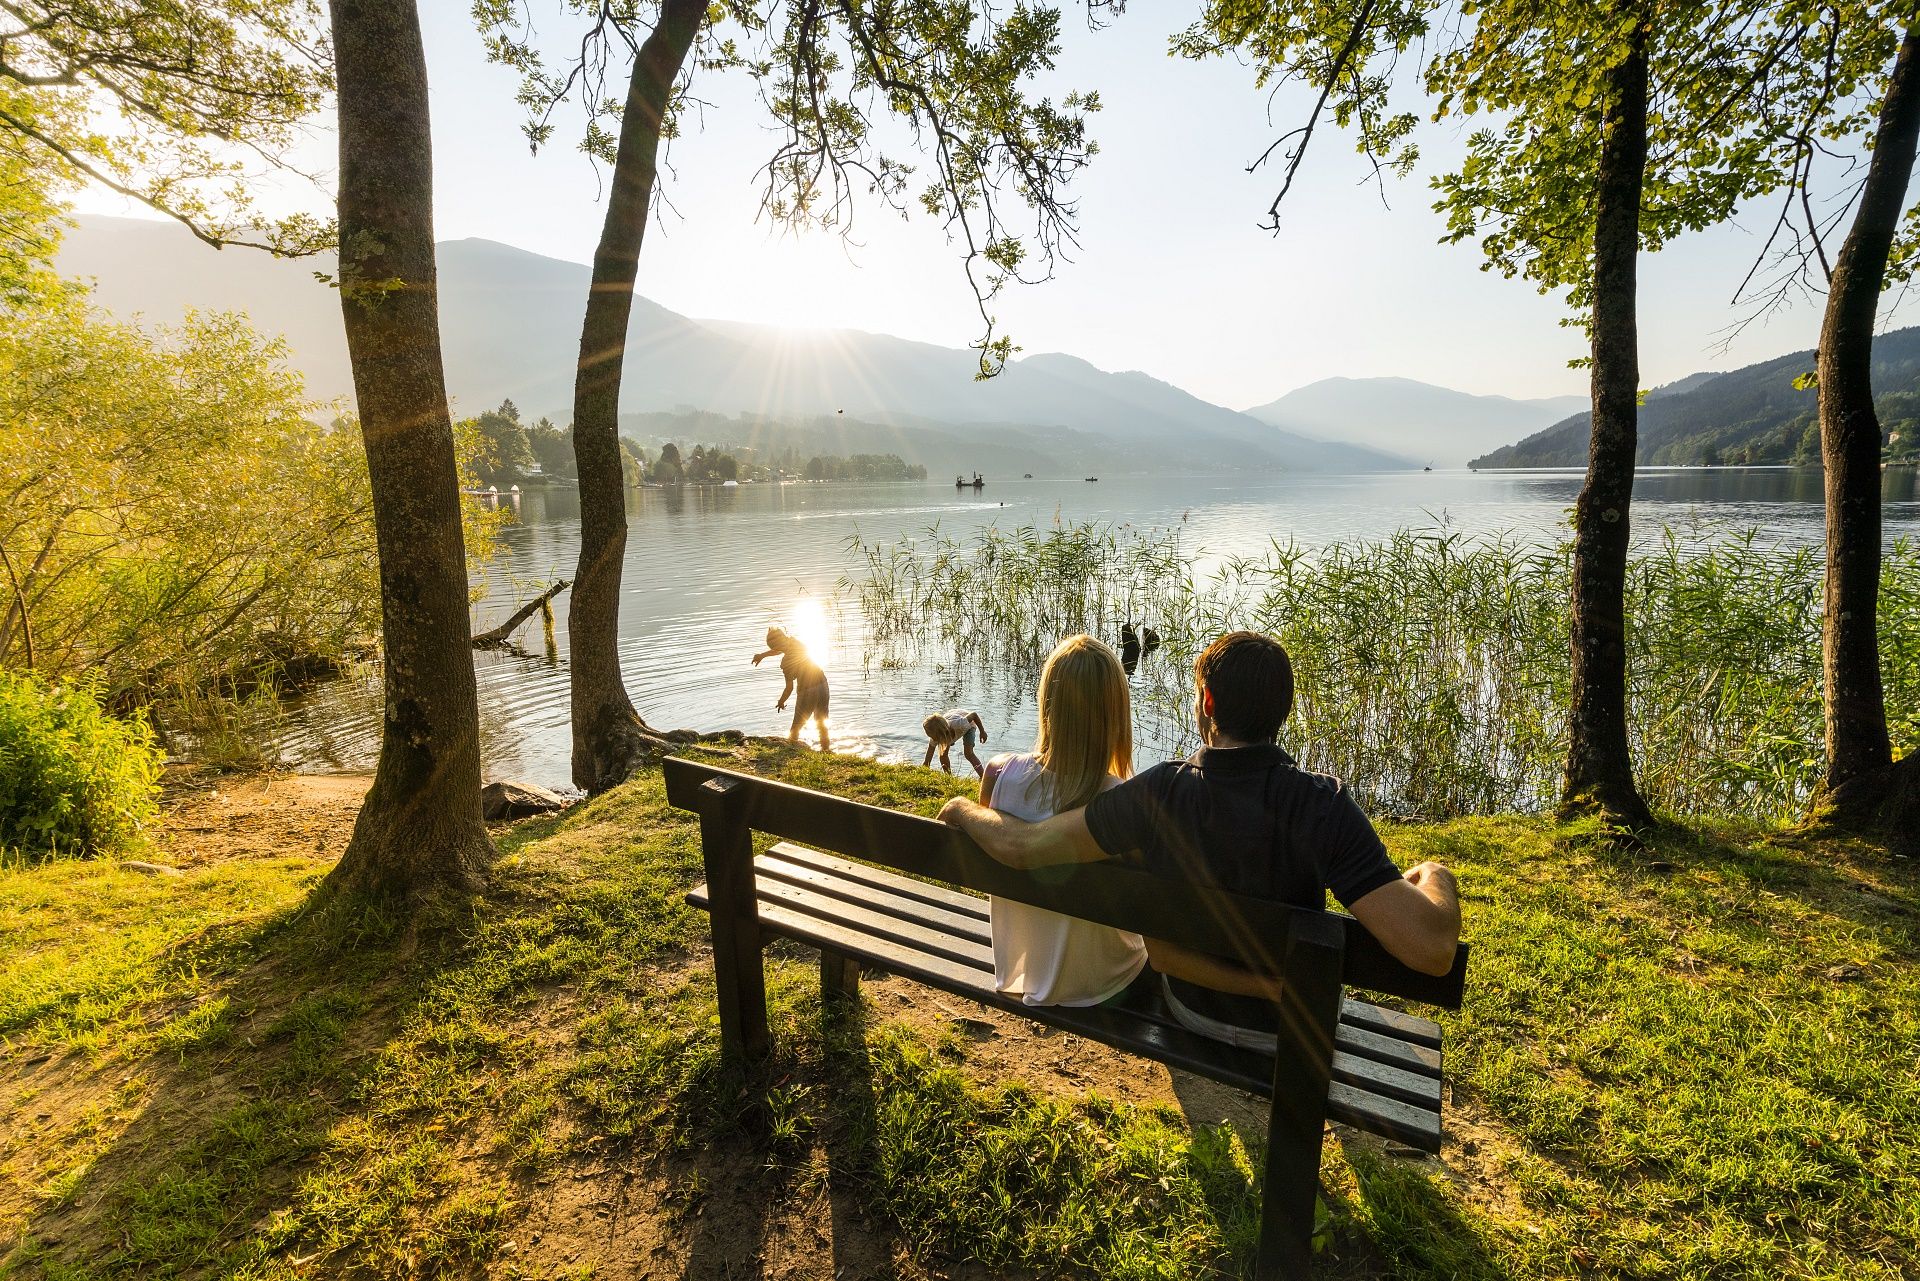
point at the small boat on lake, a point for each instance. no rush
(960, 482)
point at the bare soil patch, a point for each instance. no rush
(207, 816)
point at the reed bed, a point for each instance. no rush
(1432, 668)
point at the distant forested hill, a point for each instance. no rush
(1751, 415)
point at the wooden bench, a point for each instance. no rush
(1342, 1059)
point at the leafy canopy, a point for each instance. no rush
(846, 84)
(1742, 93)
(165, 101)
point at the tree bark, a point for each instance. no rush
(1858, 751)
(1599, 773)
(610, 739)
(419, 831)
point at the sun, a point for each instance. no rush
(807, 622)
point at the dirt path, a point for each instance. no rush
(208, 817)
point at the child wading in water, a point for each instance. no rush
(803, 675)
(1085, 746)
(947, 728)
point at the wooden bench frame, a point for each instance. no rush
(1317, 954)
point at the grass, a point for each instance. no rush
(1699, 1066)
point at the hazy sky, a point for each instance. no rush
(1173, 277)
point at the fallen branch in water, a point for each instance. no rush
(498, 638)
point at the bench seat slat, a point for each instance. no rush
(963, 924)
(881, 879)
(880, 924)
(1391, 1050)
(1394, 1023)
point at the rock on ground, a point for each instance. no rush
(504, 800)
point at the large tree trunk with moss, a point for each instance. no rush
(1599, 774)
(419, 831)
(609, 738)
(1859, 776)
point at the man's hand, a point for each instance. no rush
(954, 811)
(1416, 918)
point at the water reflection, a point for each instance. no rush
(708, 570)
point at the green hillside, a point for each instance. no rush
(1749, 416)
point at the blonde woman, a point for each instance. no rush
(1085, 746)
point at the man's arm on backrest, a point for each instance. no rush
(1416, 918)
(1064, 838)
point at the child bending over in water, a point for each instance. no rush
(947, 728)
(1085, 747)
(803, 674)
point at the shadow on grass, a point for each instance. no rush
(1402, 1223)
(240, 1092)
(788, 1169)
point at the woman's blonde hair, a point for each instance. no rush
(1086, 721)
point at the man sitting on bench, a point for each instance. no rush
(1240, 815)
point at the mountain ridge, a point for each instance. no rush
(1748, 416)
(510, 323)
(1421, 420)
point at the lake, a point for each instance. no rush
(708, 570)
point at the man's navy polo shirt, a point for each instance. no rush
(1245, 819)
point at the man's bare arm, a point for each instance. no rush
(1416, 918)
(1064, 838)
(1176, 961)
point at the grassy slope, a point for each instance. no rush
(1704, 1070)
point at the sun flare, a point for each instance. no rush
(807, 621)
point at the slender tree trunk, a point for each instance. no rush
(1858, 751)
(1599, 776)
(609, 738)
(419, 830)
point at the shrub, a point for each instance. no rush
(74, 781)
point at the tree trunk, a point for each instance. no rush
(1858, 752)
(1599, 776)
(419, 830)
(609, 738)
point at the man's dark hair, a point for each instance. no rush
(1251, 680)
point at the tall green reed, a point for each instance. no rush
(1432, 668)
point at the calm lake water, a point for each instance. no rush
(708, 570)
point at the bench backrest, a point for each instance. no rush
(1253, 931)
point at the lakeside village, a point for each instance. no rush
(506, 455)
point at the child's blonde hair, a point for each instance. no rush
(1086, 721)
(938, 729)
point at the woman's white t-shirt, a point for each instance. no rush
(1047, 958)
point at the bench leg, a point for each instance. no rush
(1302, 1071)
(839, 978)
(739, 973)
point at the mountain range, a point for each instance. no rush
(1751, 415)
(1435, 425)
(510, 323)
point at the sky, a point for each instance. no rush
(1172, 276)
